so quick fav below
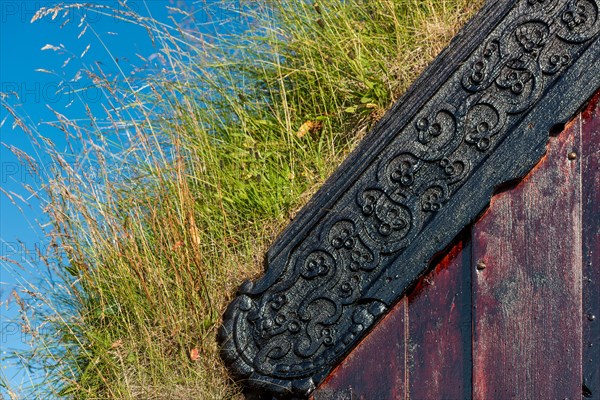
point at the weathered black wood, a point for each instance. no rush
(478, 117)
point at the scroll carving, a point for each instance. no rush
(286, 331)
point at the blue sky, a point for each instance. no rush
(28, 52)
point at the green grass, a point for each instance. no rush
(221, 149)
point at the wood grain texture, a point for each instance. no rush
(527, 300)
(439, 329)
(590, 166)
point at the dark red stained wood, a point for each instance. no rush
(439, 340)
(527, 300)
(376, 368)
(590, 165)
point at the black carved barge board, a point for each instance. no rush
(478, 117)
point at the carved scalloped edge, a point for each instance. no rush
(576, 79)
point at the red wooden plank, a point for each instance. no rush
(376, 368)
(439, 311)
(527, 300)
(590, 165)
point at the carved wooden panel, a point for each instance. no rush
(501, 315)
(478, 117)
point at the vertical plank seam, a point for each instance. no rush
(468, 258)
(473, 313)
(406, 350)
(580, 206)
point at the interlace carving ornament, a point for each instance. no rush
(285, 332)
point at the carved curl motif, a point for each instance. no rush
(320, 295)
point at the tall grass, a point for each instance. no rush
(170, 198)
